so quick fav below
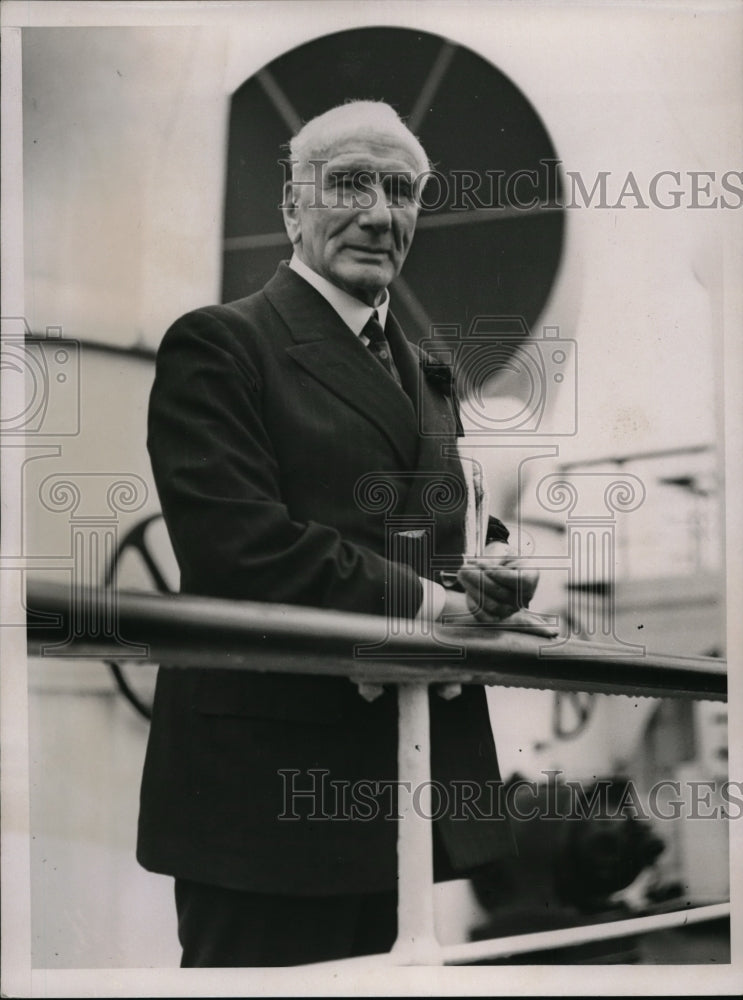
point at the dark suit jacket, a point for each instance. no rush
(265, 416)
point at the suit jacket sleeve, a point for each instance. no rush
(219, 484)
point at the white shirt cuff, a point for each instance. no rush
(432, 605)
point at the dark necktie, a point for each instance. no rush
(379, 346)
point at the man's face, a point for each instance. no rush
(353, 222)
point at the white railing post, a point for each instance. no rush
(416, 942)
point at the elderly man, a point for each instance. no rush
(266, 415)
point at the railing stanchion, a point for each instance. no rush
(416, 942)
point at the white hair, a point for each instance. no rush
(371, 119)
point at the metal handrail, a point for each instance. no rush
(210, 632)
(207, 632)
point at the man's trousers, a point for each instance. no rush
(228, 928)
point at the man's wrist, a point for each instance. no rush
(433, 603)
(440, 602)
(456, 605)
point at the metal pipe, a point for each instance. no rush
(207, 632)
(524, 944)
(520, 944)
(416, 942)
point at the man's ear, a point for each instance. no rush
(290, 211)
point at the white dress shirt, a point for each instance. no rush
(354, 313)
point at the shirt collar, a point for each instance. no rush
(354, 313)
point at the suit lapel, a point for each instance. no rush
(437, 453)
(329, 351)
(427, 397)
(405, 357)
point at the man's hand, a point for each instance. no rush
(498, 591)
